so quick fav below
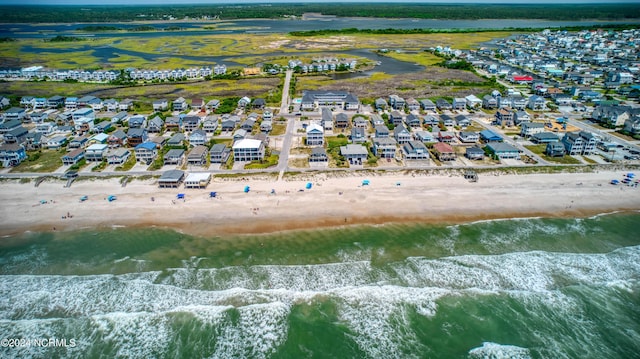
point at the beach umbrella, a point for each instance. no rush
(246, 189)
(631, 175)
(308, 186)
(213, 194)
(180, 196)
(615, 181)
(111, 198)
(365, 182)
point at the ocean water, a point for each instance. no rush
(520, 288)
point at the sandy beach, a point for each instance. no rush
(335, 199)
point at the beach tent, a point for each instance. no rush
(308, 186)
(83, 198)
(213, 194)
(365, 182)
(246, 189)
(180, 196)
(111, 198)
(615, 181)
(631, 175)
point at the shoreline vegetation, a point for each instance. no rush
(106, 13)
(274, 205)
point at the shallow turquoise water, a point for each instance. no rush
(522, 288)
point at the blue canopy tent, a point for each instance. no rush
(213, 194)
(615, 181)
(246, 189)
(180, 196)
(631, 175)
(309, 185)
(83, 198)
(365, 182)
(111, 198)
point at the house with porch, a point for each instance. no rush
(396, 102)
(155, 125)
(45, 128)
(444, 152)
(474, 153)
(355, 154)
(412, 104)
(171, 179)
(73, 157)
(180, 104)
(173, 124)
(219, 153)
(12, 154)
(146, 152)
(384, 147)
(381, 104)
(473, 102)
(490, 136)
(415, 150)
(459, 104)
(138, 121)
(413, 121)
(520, 117)
(401, 134)
(160, 105)
(342, 120)
(424, 136)
(318, 155)
(555, 149)
(15, 114)
(111, 105)
(198, 155)
(38, 117)
(443, 104)
(489, 102)
(117, 138)
(504, 117)
(315, 135)
(529, 129)
(248, 150)
(381, 131)
(118, 156)
(210, 124)
(190, 123)
(197, 138)
(503, 150)
(126, 105)
(175, 156)
(358, 135)
(446, 136)
(427, 105)
(544, 137)
(136, 136)
(96, 152)
(468, 136)
(536, 103)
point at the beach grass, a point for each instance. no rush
(43, 161)
(278, 129)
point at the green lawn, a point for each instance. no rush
(265, 163)
(565, 160)
(41, 161)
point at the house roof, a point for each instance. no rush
(353, 149)
(501, 147)
(172, 176)
(146, 145)
(443, 147)
(174, 152)
(247, 143)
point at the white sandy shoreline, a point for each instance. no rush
(417, 198)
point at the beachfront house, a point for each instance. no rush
(415, 150)
(171, 179)
(118, 156)
(503, 150)
(474, 153)
(146, 152)
(248, 150)
(355, 154)
(12, 154)
(555, 149)
(73, 157)
(197, 180)
(444, 152)
(318, 155)
(198, 156)
(96, 152)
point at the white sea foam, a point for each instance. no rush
(249, 306)
(498, 351)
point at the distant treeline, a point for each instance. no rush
(94, 28)
(353, 30)
(105, 13)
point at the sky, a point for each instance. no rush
(167, 2)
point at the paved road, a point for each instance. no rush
(284, 104)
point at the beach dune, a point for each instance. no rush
(335, 199)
